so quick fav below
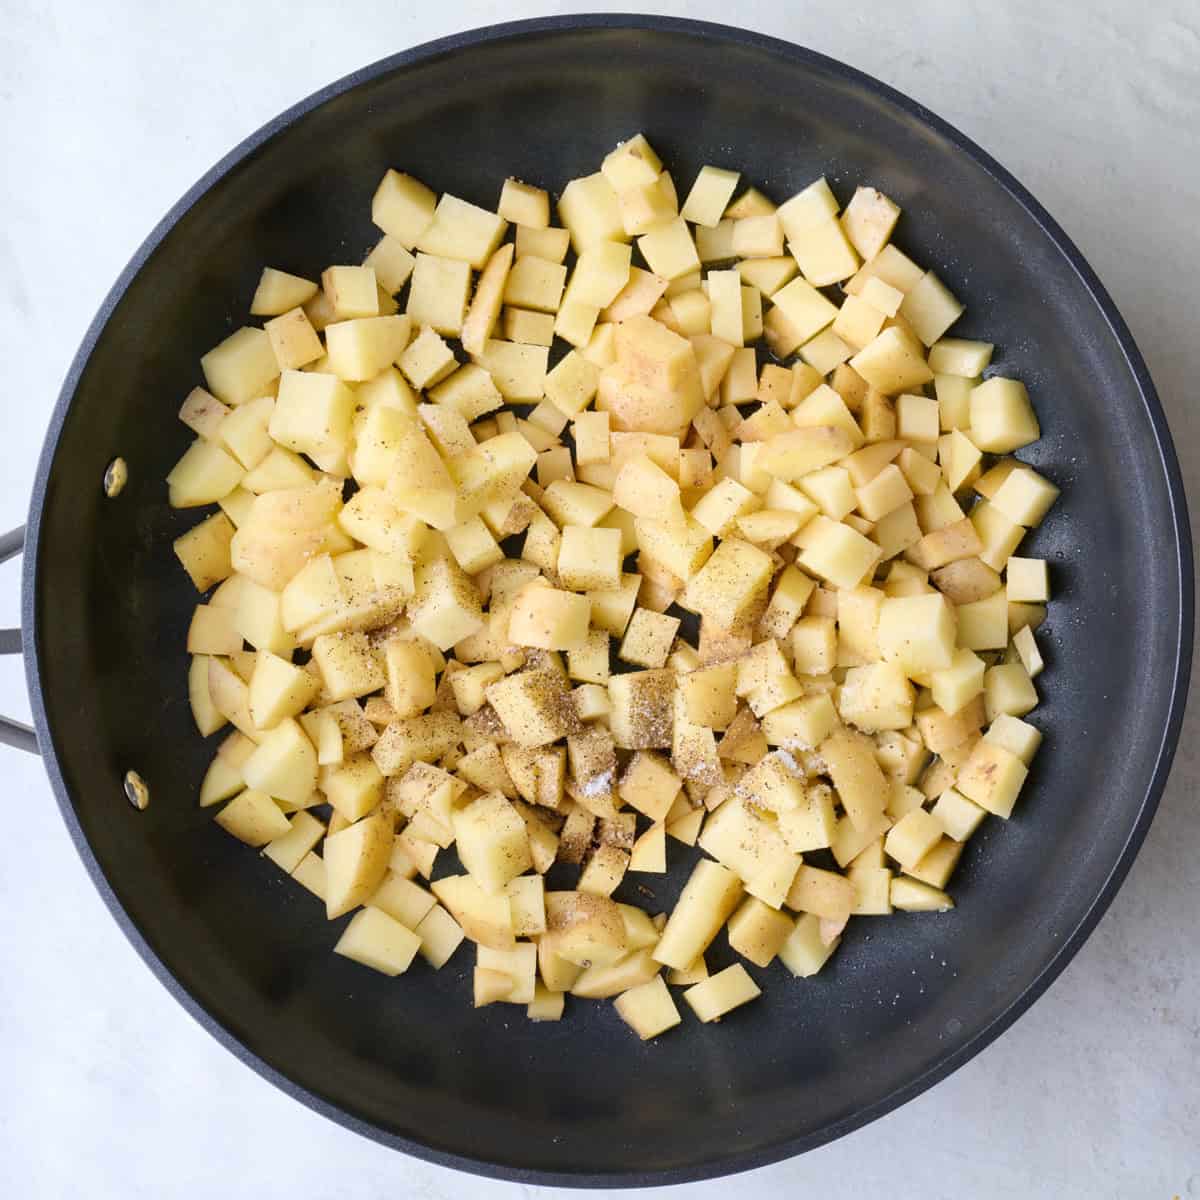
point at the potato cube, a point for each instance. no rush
(983, 624)
(992, 776)
(312, 414)
(524, 204)
(486, 919)
(589, 429)
(462, 231)
(585, 929)
(403, 207)
(709, 196)
(278, 292)
(278, 690)
(918, 632)
(284, 764)
(203, 475)
(536, 283)
(590, 210)
(868, 220)
(378, 940)
(836, 553)
(570, 387)
(204, 551)
(428, 360)
(438, 293)
(648, 1009)
(999, 534)
(958, 816)
(711, 999)
(349, 665)
(1024, 497)
(445, 607)
(1015, 735)
(877, 697)
(669, 250)
(958, 684)
(893, 362)
(1008, 689)
(731, 585)
(548, 618)
(242, 367)
(823, 893)
(642, 714)
(856, 775)
(648, 638)
(1002, 418)
(589, 559)
(356, 860)
(806, 310)
(440, 936)
(930, 308)
(814, 645)
(1027, 580)
(706, 902)
(352, 292)
(535, 706)
(491, 841)
(805, 953)
(912, 837)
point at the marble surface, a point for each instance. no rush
(108, 112)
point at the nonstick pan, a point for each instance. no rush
(408, 1062)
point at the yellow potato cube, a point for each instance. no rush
(1016, 736)
(491, 842)
(590, 210)
(669, 250)
(519, 371)
(485, 919)
(957, 685)
(918, 632)
(242, 367)
(805, 952)
(293, 340)
(711, 999)
(379, 941)
(1008, 689)
(758, 932)
(930, 308)
(823, 893)
(1002, 418)
(642, 715)
(462, 231)
(284, 764)
(349, 665)
(805, 309)
(354, 787)
(992, 776)
(855, 772)
(438, 293)
(278, 690)
(278, 292)
(893, 362)
(352, 292)
(446, 606)
(403, 207)
(836, 553)
(1024, 497)
(910, 895)
(648, 1009)
(999, 534)
(731, 586)
(570, 387)
(254, 818)
(589, 559)
(814, 645)
(535, 706)
(958, 816)
(648, 638)
(877, 697)
(1027, 580)
(868, 220)
(427, 361)
(707, 900)
(584, 929)
(709, 196)
(312, 414)
(204, 551)
(536, 283)
(912, 837)
(524, 204)
(548, 618)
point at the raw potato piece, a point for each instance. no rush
(865, 648)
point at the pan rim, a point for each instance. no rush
(803, 59)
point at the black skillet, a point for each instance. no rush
(407, 1062)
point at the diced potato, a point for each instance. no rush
(491, 841)
(1002, 418)
(707, 900)
(485, 919)
(711, 999)
(356, 860)
(378, 940)
(254, 818)
(805, 953)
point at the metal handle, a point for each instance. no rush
(14, 733)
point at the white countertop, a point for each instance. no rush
(108, 112)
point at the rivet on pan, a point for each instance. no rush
(137, 791)
(116, 475)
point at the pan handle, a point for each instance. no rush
(14, 733)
